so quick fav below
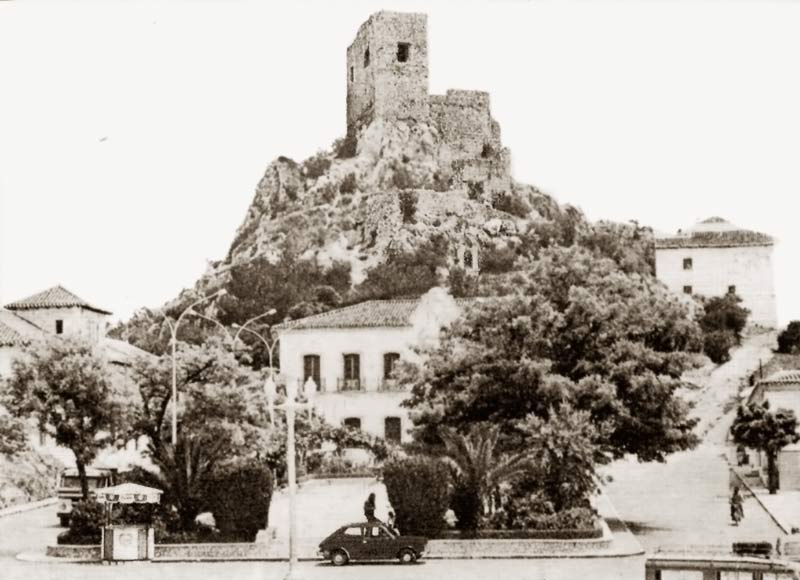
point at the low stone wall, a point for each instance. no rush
(278, 549)
(518, 548)
(215, 551)
(75, 552)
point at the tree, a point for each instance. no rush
(12, 436)
(576, 330)
(406, 273)
(756, 427)
(222, 416)
(478, 468)
(564, 453)
(789, 338)
(67, 387)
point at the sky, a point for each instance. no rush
(133, 134)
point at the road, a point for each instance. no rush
(685, 500)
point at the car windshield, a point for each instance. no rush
(74, 481)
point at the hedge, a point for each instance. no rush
(239, 496)
(418, 489)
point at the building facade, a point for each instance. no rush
(351, 353)
(714, 258)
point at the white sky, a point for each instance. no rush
(132, 134)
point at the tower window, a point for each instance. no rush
(366, 58)
(468, 259)
(403, 51)
(59, 327)
(351, 74)
(687, 264)
(687, 289)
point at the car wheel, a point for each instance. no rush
(407, 556)
(339, 558)
(64, 520)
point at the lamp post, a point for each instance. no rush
(269, 344)
(173, 328)
(293, 403)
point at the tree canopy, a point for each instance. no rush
(756, 427)
(70, 391)
(576, 331)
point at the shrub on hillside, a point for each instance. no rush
(239, 496)
(717, 345)
(316, 166)
(722, 322)
(789, 339)
(408, 206)
(511, 203)
(497, 259)
(417, 487)
(349, 184)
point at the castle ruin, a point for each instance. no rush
(387, 78)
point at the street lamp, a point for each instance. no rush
(269, 344)
(174, 331)
(293, 402)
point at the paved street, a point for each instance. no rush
(685, 500)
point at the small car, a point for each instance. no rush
(370, 541)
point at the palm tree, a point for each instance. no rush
(478, 468)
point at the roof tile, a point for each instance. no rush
(55, 297)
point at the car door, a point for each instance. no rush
(352, 540)
(380, 543)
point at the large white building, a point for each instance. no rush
(713, 258)
(350, 353)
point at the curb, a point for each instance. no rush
(26, 507)
(758, 499)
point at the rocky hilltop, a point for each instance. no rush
(412, 165)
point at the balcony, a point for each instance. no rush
(320, 384)
(349, 385)
(391, 386)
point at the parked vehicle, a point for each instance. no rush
(370, 541)
(69, 487)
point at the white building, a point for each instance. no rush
(350, 353)
(714, 258)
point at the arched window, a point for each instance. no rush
(366, 58)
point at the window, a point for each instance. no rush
(59, 327)
(392, 429)
(403, 51)
(687, 264)
(375, 532)
(311, 369)
(366, 58)
(351, 74)
(352, 367)
(687, 289)
(731, 289)
(352, 423)
(352, 532)
(468, 259)
(389, 360)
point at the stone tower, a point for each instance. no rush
(387, 70)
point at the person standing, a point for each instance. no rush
(369, 508)
(390, 523)
(737, 506)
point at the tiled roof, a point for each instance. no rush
(714, 232)
(9, 336)
(783, 377)
(15, 330)
(55, 297)
(372, 313)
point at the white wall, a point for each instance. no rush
(371, 406)
(715, 269)
(77, 321)
(7, 355)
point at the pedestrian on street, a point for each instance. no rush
(369, 508)
(737, 506)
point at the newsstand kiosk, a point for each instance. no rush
(127, 541)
